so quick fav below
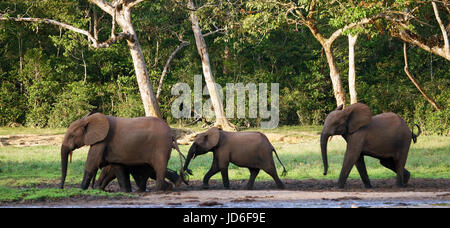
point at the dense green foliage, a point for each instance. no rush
(50, 77)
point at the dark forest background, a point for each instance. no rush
(50, 76)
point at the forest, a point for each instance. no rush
(61, 59)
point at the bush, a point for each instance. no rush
(41, 96)
(130, 107)
(431, 121)
(12, 105)
(72, 104)
(129, 103)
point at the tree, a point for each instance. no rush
(352, 68)
(221, 120)
(295, 13)
(120, 11)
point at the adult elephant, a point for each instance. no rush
(120, 141)
(385, 136)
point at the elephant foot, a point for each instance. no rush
(341, 186)
(400, 185)
(205, 186)
(178, 182)
(406, 177)
(168, 187)
(140, 190)
(281, 186)
(367, 185)
(125, 190)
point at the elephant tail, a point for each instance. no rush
(175, 146)
(284, 168)
(414, 136)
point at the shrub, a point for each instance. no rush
(11, 104)
(41, 95)
(72, 104)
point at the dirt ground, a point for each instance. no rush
(298, 193)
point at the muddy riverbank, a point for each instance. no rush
(298, 193)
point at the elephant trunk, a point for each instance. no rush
(323, 147)
(190, 155)
(65, 151)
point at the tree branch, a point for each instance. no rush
(414, 81)
(213, 32)
(132, 4)
(443, 30)
(405, 34)
(104, 5)
(166, 66)
(94, 42)
(363, 21)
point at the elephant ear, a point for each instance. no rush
(359, 115)
(210, 138)
(97, 128)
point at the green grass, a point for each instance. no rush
(31, 130)
(39, 194)
(33, 173)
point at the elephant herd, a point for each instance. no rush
(142, 147)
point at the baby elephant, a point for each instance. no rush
(245, 149)
(140, 174)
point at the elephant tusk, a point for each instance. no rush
(329, 139)
(70, 156)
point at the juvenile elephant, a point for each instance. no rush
(122, 141)
(245, 149)
(385, 136)
(140, 174)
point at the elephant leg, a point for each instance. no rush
(361, 166)
(160, 170)
(225, 180)
(349, 161)
(106, 176)
(390, 164)
(139, 178)
(402, 174)
(253, 173)
(406, 176)
(211, 172)
(123, 177)
(272, 171)
(354, 149)
(93, 162)
(399, 167)
(173, 177)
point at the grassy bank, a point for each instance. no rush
(34, 172)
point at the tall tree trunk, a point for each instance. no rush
(221, 120)
(414, 81)
(352, 68)
(149, 100)
(338, 89)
